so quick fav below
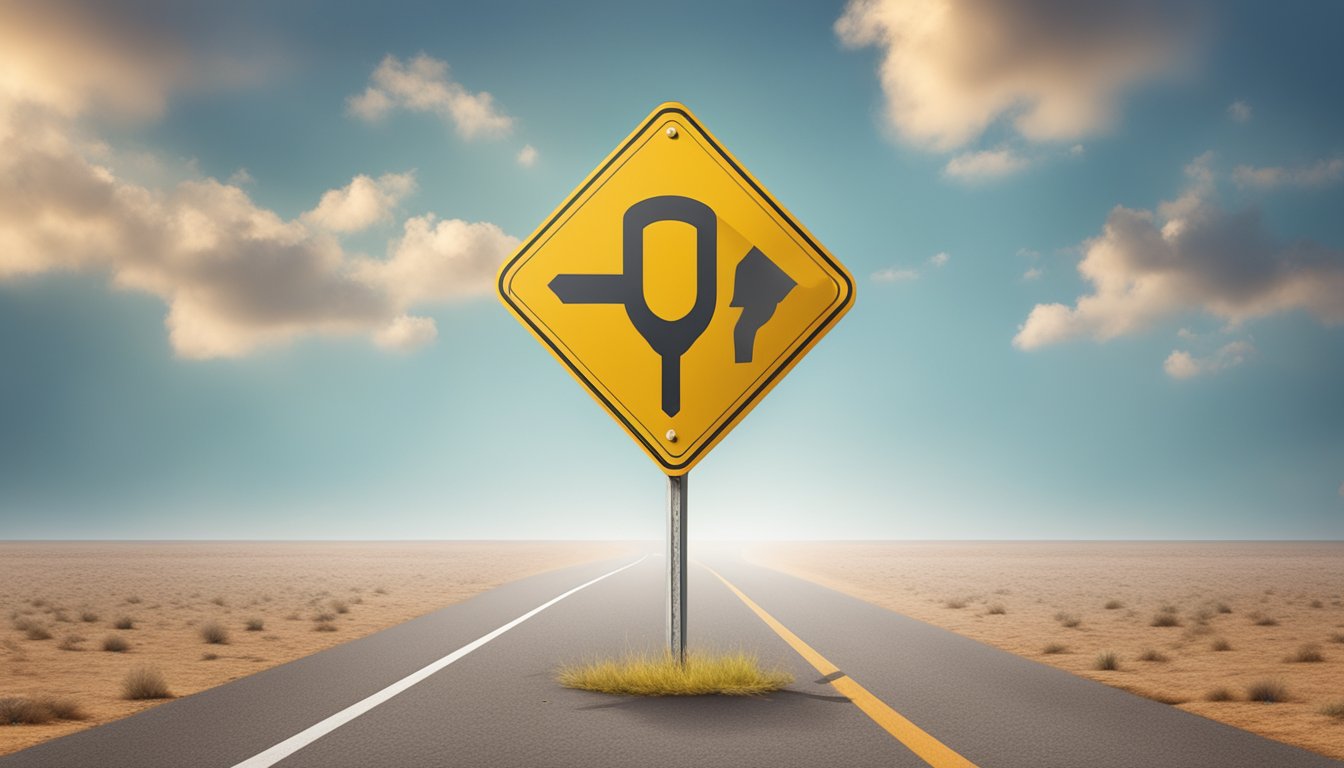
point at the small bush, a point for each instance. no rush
(125, 622)
(1165, 619)
(61, 616)
(954, 602)
(1153, 655)
(1108, 661)
(15, 710)
(1317, 604)
(996, 609)
(71, 643)
(255, 625)
(324, 626)
(115, 644)
(1268, 691)
(145, 683)
(1337, 637)
(1222, 608)
(325, 616)
(1053, 648)
(37, 632)
(63, 709)
(1068, 619)
(1265, 621)
(88, 617)
(1113, 605)
(1220, 694)
(218, 600)
(340, 606)
(214, 634)
(209, 656)
(730, 674)
(1307, 654)
(1334, 709)
(1221, 645)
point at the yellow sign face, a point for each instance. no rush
(675, 288)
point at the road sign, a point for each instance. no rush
(675, 288)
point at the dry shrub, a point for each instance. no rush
(1165, 619)
(340, 606)
(1307, 654)
(214, 634)
(1220, 694)
(125, 622)
(71, 643)
(88, 617)
(996, 609)
(145, 683)
(1268, 691)
(115, 644)
(255, 625)
(1112, 605)
(1068, 619)
(1221, 645)
(1153, 655)
(1108, 661)
(324, 626)
(37, 632)
(1053, 648)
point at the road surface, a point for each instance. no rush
(873, 688)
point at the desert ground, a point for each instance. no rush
(1194, 625)
(265, 603)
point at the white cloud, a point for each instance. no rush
(951, 68)
(406, 332)
(235, 276)
(1319, 174)
(1187, 334)
(240, 178)
(1033, 273)
(894, 275)
(1182, 365)
(423, 84)
(527, 156)
(1189, 255)
(1239, 111)
(361, 203)
(939, 259)
(984, 165)
(437, 261)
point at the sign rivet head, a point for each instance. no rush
(671, 435)
(671, 131)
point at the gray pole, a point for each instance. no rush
(676, 567)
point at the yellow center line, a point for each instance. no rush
(929, 749)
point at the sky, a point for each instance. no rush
(247, 260)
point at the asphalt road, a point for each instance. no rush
(496, 704)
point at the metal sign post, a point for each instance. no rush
(676, 566)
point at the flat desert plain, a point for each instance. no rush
(1206, 626)
(265, 603)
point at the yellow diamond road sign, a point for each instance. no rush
(675, 288)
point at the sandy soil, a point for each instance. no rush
(1020, 596)
(77, 592)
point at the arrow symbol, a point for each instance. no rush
(759, 285)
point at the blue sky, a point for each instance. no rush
(246, 260)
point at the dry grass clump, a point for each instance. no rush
(209, 656)
(1153, 654)
(218, 600)
(1221, 645)
(1053, 648)
(71, 643)
(16, 710)
(255, 625)
(125, 622)
(324, 626)
(88, 617)
(325, 616)
(1069, 620)
(1260, 620)
(1113, 605)
(1337, 637)
(340, 606)
(726, 674)
(1334, 709)
(1166, 619)
(213, 633)
(996, 609)
(1268, 691)
(1307, 654)
(1108, 661)
(115, 644)
(133, 600)
(37, 632)
(1220, 694)
(954, 602)
(145, 683)
(1222, 607)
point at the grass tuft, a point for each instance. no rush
(1113, 605)
(1334, 709)
(1108, 661)
(1337, 637)
(15, 710)
(125, 622)
(954, 602)
(1220, 694)
(255, 625)
(324, 626)
(1153, 655)
(1223, 608)
(219, 600)
(340, 606)
(214, 634)
(1053, 648)
(71, 643)
(727, 674)
(1307, 654)
(145, 683)
(63, 709)
(1221, 645)
(996, 609)
(88, 617)
(1068, 619)
(1264, 621)
(115, 644)
(1268, 691)
(1166, 619)
(37, 632)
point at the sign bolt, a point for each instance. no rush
(671, 435)
(671, 131)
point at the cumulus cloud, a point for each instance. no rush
(1183, 365)
(361, 203)
(985, 165)
(423, 84)
(436, 261)
(1239, 111)
(235, 276)
(1189, 255)
(1319, 174)
(894, 275)
(940, 258)
(1055, 68)
(527, 156)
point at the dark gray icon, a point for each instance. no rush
(759, 287)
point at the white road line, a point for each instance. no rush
(313, 733)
